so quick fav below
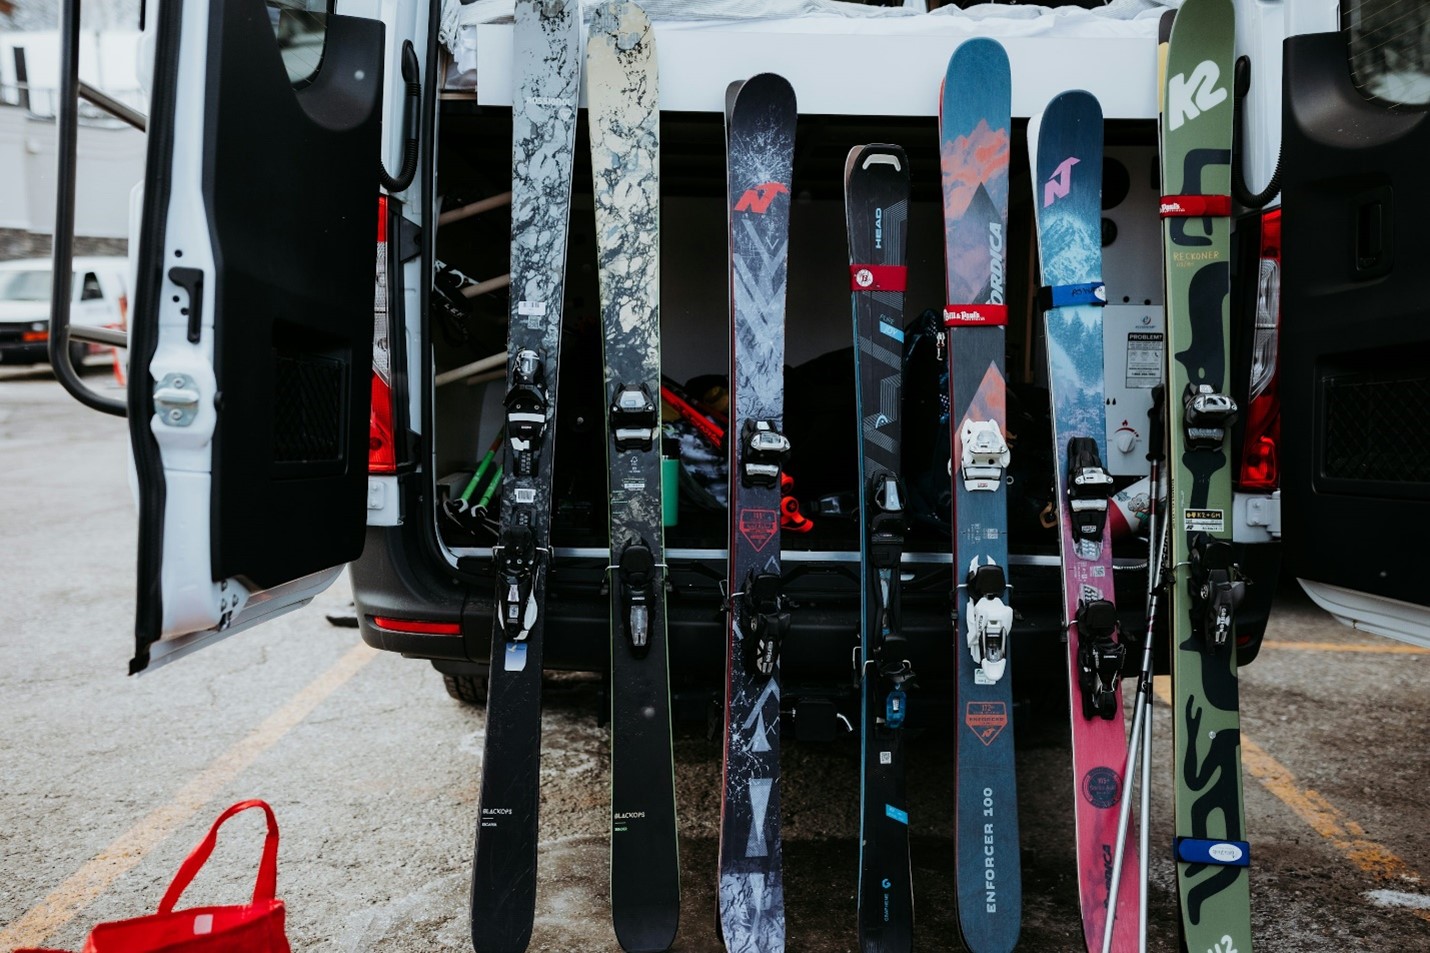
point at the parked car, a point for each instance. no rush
(292, 419)
(100, 297)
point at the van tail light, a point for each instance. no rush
(416, 626)
(382, 449)
(1260, 451)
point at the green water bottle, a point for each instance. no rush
(669, 480)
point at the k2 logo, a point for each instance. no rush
(758, 199)
(1189, 98)
(1060, 184)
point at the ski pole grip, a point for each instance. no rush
(1157, 424)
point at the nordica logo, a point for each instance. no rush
(878, 228)
(995, 262)
(990, 858)
(1060, 184)
(630, 816)
(758, 199)
(1188, 98)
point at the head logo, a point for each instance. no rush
(758, 199)
(1060, 184)
(1188, 98)
(863, 277)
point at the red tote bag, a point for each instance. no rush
(256, 927)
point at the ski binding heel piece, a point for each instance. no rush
(525, 409)
(985, 454)
(1089, 486)
(633, 417)
(636, 571)
(764, 621)
(516, 569)
(989, 618)
(895, 705)
(764, 452)
(1216, 586)
(1206, 416)
(1099, 657)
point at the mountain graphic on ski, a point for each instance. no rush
(1210, 846)
(974, 126)
(547, 83)
(876, 204)
(1065, 144)
(624, 111)
(759, 128)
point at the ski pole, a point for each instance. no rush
(1137, 747)
(481, 469)
(491, 489)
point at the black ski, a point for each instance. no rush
(543, 133)
(876, 207)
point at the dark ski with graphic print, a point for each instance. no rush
(543, 132)
(624, 108)
(759, 131)
(876, 208)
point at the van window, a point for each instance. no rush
(301, 27)
(25, 286)
(1389, 49)
(91, 290)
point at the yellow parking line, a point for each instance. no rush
(92, 879)
(1344, 834)
(1392, 648)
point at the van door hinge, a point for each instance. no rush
(1265, 511)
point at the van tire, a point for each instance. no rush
(467, 689)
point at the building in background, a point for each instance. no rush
(110, 154)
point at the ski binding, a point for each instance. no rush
(989, 618)
(765, 451)
(516, 567)
(1206, 416)
(985, 454)
(1099, 658)
(526, 409)
(636, 571)
(633, 418)
(764, 621)
(1089, 486)
(1216, 586)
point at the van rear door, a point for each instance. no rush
(1355, 373)
(252, 331)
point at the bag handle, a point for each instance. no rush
(267, 884)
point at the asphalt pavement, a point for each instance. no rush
(108, 781)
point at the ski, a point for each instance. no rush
(759, 129)
(624, 111)
(543, 134)
(974, 147)
(876, 206)
(1066, 147)
(1211, 852)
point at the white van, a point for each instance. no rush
(294, 417)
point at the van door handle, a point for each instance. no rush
(1373, 217)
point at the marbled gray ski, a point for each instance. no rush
(624, 110)
(543, 133)
(759, 126)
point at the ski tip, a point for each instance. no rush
(981, 53)
(1164, 26)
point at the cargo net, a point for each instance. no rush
(308, 402)
(1378, 430)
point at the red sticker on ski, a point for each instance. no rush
(986, 720)
(878, 278)
(989, 314)
(759, 526)
(1195, 206)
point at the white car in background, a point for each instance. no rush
(100, 298)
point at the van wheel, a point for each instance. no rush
(467, 689)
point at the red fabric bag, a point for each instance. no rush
(256, 927)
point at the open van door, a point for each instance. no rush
(1355, 332)
(251, 337)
